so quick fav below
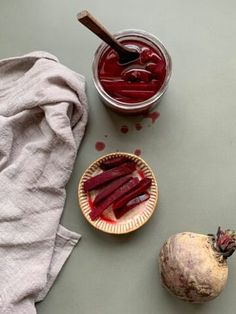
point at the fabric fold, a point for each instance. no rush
(43, 115)
(64, 244)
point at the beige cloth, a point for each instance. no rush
(43, 114)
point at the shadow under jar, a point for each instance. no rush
(135, 87)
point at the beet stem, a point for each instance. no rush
(224, 242)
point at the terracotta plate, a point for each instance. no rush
(133, 219)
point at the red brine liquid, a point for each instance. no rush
(134, 82)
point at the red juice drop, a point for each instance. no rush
(134, 82)
(153, 115)
(124, 129)
(138, 126)
(100, 146)
(137, 152)
(141, 173)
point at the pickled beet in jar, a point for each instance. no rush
(137, 86)
(134, 82)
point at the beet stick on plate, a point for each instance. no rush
(109, 175)
(110, 188)
(113, 162)
(97, 211)
(141, 187)
(119, 212)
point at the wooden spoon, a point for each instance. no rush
(126, 55)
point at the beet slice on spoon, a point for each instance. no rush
(110, 188)
(119, 212)
(140, 188)
(122, 190)
(109, 175)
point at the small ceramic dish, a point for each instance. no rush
(133, 219)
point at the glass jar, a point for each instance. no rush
(144, 38)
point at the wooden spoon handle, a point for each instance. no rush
(91, 23)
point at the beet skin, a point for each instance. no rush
(194, 266)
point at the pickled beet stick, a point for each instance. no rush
(135, 94)
(140, 188)
(119, 212)
(123, 85)
(109, 175)
(110, 188)
(113, 162)
(122, 190)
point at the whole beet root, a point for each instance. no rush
(194, 267)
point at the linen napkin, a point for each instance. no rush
(43, 114)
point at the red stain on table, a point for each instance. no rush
(152, 115)
(124, 129)
(137, 152)
(100, 146)
(138, 126)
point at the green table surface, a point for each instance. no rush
(191, 147)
